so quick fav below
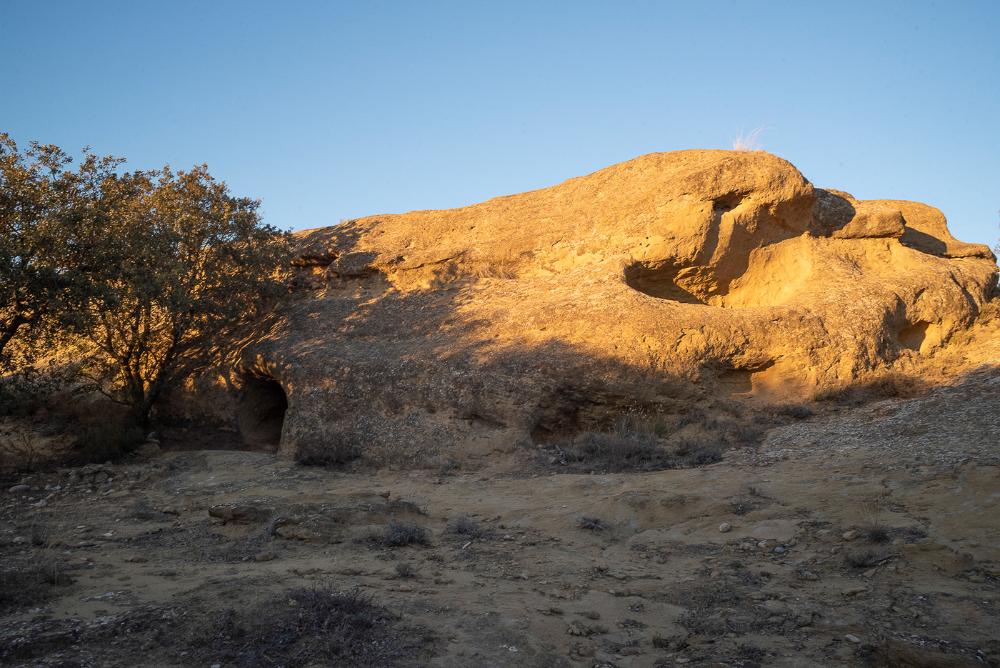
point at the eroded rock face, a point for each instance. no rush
(526, 316)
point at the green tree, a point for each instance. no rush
(46, 210)
(187, 273)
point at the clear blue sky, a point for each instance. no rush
(332, 110)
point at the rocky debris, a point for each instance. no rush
(543, 314)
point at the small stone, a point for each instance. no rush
(725, 527)
(849, 535)
(17, 489)
(850, 637)
(779, 550)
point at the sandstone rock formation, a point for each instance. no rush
(531, 315)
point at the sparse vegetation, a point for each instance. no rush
(20, 451)
(874, 528)
(591, 524)
(402, 534)
(698, 453)
(405, 570)
(309, 627)
(30, 582)
(614, 452)
(468, 528)
(892, 385)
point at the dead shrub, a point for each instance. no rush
(468, 528)
(309, 627)
(21, 451)
(402, 534)
(693, 453)
(616, 452)
(31, 582)
(591, 524)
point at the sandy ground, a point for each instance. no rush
(862, 537)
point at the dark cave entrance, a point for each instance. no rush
(260, 412)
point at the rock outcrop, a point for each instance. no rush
(532, 315)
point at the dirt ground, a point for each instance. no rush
(865, 536)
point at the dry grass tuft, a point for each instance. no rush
(748, 142)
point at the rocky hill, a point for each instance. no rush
(641, 287)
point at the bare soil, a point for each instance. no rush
(854, 536)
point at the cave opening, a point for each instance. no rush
(260, 413)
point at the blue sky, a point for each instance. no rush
(333, 110)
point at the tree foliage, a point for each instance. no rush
(154, 274)
(48, 215)
(189, 272)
